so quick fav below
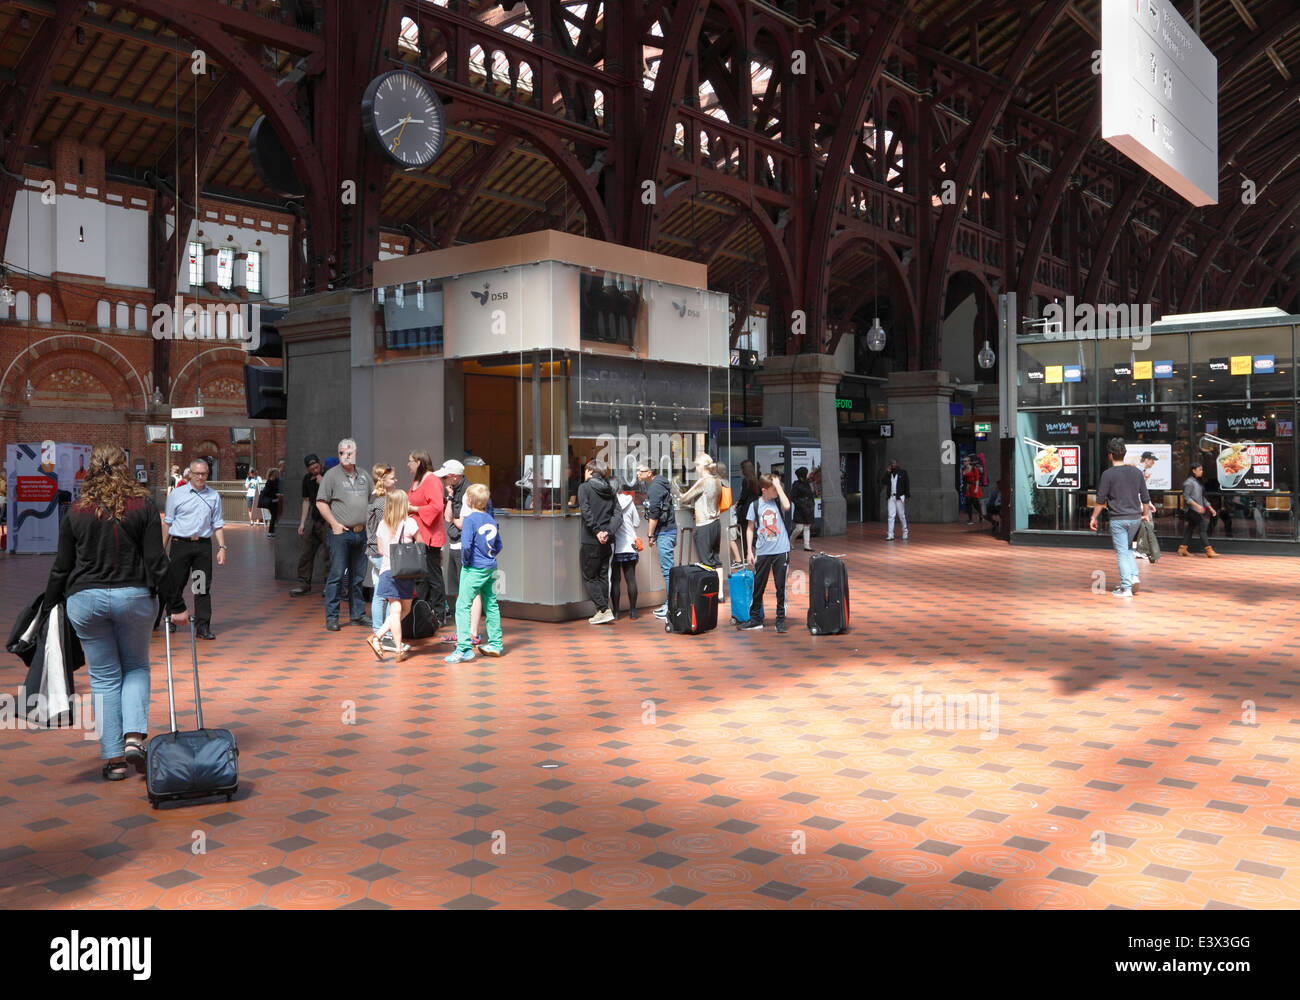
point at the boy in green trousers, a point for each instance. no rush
(480, 544)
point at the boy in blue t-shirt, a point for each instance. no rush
(769, 549)
(480, 544)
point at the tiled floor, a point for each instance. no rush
(1143, 755)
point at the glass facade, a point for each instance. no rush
(1224, 396)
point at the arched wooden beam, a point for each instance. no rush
(193, 21)
(680, 41)
(884, 252)
(1282, 261)
(1119, 214)
(972, 154)
(505, 144)
(1256, 248)
(25, 100)
(566, 163)
(866, 73)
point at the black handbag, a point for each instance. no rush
(407, 560)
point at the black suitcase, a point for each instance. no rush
(193, 765)
(828, 595)
(692, 600)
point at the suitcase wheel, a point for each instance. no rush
(668, 628)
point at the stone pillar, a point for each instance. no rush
(317, 336)
(918, 406)
(799, 391)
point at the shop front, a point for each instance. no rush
(529, 356)
(1221, 391)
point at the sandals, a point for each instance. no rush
(114, 770)
(377, 649)
(136, 753)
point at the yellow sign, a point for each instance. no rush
(1141, 369)
(1055, 374)
(1241, 364)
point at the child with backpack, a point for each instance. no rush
(769, 549)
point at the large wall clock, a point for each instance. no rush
(404, 119)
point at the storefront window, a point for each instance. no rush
(1133, 371)
(409, 321)
(1249, 455)
(1242, 364)
(612, 312)
(1057, 469)
(1056, 373)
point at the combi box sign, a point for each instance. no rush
(1160, 96)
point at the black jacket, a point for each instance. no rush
(29, 641)
(659, 505)
(598, 505)
(805, 506)
(452, 510)
(904, 487)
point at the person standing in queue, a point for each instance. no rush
(661, 523)
(192, 519)
(897, 489)
(342, 500)
(599, 508)
(428, 500)
(313, 534)
(110, 565)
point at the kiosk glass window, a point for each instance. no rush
(612, 312)
(1255, 483)
(1160, 432)
(1056, 469)
(409, 320)
(1128, 372)
(1242, 364)
(1056, 372)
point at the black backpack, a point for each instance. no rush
(423, 621)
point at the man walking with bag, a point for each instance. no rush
(1123, 491)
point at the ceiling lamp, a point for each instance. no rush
(157, 397)
(876, 336)
(198, 397)
(7, 295)
(986, 357)
(29, 391)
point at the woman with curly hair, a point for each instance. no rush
(111, 568)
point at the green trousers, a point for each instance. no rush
(477, 583)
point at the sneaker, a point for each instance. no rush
(661, 611)
(781, 626)
(750, 625)
(388, 646)
(603, 617)
(889, 538)
(476, 640)
(490, 650)
(1136, 586)
(1121, 592)
(460, 657)
(904, 536)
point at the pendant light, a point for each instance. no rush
(876, 335)
(986, 357)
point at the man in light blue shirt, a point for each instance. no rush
(193, 516)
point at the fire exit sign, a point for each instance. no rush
(983, 427)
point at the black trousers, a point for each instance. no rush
(594, 563)
(777, 566)
(628, 570)
(432, 588)
(1195, 521)
(188, 559)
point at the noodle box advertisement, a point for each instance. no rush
(1246, 467)
(1057, 467)
(37, 472)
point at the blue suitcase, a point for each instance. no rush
(192, 765)
(740, 587)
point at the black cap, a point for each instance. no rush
(1146, 455)
(313, 457)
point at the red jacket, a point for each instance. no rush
(430, 497)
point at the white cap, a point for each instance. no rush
(449, 468)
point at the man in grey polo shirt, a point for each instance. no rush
(342, 500)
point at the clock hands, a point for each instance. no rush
(398, 141)
(408, 118)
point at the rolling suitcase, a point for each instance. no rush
(692, 600)
(741, 592)
(828, 595)
(192, 765)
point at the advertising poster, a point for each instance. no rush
(37, 472)
(1056, 467)
(1155, 462)
(811, 459)
(1246, 467)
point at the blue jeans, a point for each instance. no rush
(347, 552)
(378, 606)
(666, 543)
(1121, 536)
(114, 626)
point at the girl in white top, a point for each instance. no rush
(397, 526)
(625, 553)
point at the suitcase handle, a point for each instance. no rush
(194, 652)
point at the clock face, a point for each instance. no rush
(404, 118)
